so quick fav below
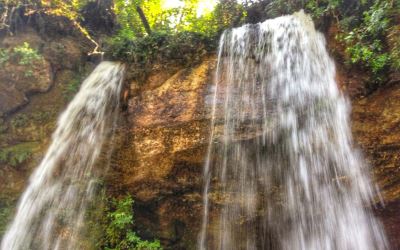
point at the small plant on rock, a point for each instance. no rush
(119, 234)
(27, 54)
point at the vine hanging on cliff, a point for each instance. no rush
(70, 9)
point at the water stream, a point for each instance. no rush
(51, 212)
(281, 170)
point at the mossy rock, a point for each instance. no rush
(6, 212)
(17, 154)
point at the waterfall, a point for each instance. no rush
(281, 170)
(51, 212)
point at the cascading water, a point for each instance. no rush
(51, 211)
(281, 171)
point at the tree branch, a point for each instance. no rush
(144, 19)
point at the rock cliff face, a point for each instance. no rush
(160, 151)
(16, 85)
(376, 128)
(162, 145)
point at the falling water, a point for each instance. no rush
(51, 211)
(281, 170)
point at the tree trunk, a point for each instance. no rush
(144, 19)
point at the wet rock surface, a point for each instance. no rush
(162, 145)
(376, 129)
(160, 151)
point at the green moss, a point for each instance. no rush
(72, 87)
(6, 211)
(3, 126)
(42, 116)
(19, 120)
(4, 56)
(17, 154)
(22, 120)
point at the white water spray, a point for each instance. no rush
(281, 161)
(51, 211)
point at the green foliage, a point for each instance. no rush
(226, 13)
(71, 88)
(66, 8)
(128, 18)
(183, 48)
(180, 34)
(338, 9)
(321, 8)
(119, 234)
(366, 46)
(17, 154)
(282, 7)
(5, 215)
(4, 56)
(26, 54)
(183, 18)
